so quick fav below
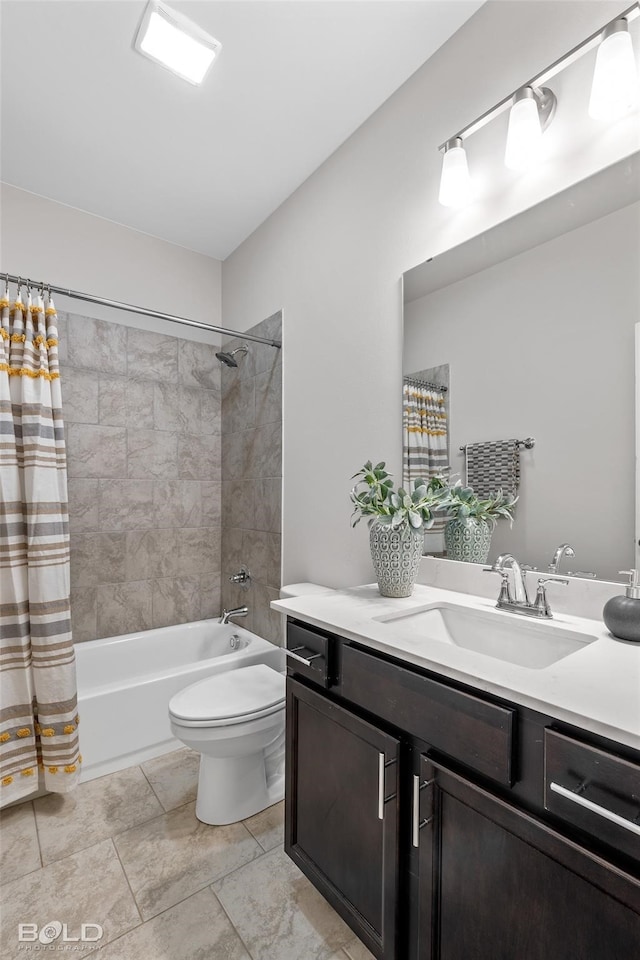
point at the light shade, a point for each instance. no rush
(615, 78)
(455, 184)
(524, 136)
(176, 42)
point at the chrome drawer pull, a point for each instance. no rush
(418, 824)
(296, 656)
(595, 808)
(381, 786)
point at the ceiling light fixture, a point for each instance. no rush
(179, 44)
(455, 185)
(614, 93)
(615, 79)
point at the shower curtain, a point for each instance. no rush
(424, 427)
(38, 704)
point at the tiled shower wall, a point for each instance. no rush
(252, 478)
(142, 415)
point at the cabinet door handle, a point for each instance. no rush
(417, 823)
(595, 808)
(381, 786)
(296, 656)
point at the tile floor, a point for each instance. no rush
(127, 852)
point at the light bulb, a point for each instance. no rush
(614, 90)
(524, 136)
(455, 184)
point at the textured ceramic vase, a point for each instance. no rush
(468, 540)
(396, 558)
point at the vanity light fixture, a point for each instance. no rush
(614, 93)
(615, 79)
(177, 43)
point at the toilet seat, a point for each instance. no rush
(236, 696)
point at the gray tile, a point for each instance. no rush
(199, 457)
(175, 600)
(269, 396)
(79, 395)
(199, 550)
(163, 553)
(237, 504)
(19, 851)
(238, 406)
(176, 503)
(174, 777)
(113, 401)
(266, 454)
(268, 826)
(267, 500)
(152, 454)
(176, 408)
(198, 365)
(210, 412)
(62, 326)
(278, 913)
(126, 504)
(137, 555)
(210, 605)
(84, 614)
(211, 505)
(97, 344)
(168, 859)
(234, 455)
(86, 887)
(69, 822)
(356, 950)
(124, 608)
(96, 451)
(196, 929)
(152, 356)
(127, 403)
(83, 505)
(264, 551)
(267, 623)
(97, 558)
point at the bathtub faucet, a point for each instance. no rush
(228, 614)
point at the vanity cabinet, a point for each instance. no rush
(424, 811)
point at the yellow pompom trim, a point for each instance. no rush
(18, 305)
(4, 737)
(79, 758)
(28, 772)
(25, 372)
(53, 769)
(52, 342)
(51, 312)
(39, 340)
(34, 308)
(38, 728)
(4, 303)
(76, 719)
(23, 732)
(4, 334)
(48, 732)
(6, 781)
(69, 728)
(18, 337)
(71, 768)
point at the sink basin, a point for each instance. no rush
(525, 643)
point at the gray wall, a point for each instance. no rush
(252, 478)
(542, 345)
(142, 416)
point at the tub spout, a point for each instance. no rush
(227, 615)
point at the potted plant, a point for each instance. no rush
(397, 521)
(472, 520)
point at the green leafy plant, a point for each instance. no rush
(462, 502)
(374, 497)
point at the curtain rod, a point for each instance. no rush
(88, 298)
(425, 383)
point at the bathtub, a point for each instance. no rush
(125, 684)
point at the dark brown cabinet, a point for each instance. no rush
(429, 816)
(342, 812)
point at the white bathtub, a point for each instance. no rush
(125, 684)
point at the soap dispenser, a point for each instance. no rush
(622, 614)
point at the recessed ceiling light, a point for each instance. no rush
(176, 42)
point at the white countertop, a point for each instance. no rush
(597, 688)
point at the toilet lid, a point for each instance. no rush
(231, 695)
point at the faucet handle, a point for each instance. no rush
(505, 593)
(543, 580)
(541, 604)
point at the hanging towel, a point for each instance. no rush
(493, 465)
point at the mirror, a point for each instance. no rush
(532, 328)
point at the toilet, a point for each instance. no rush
(235, 721)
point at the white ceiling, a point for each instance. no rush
(88, 122)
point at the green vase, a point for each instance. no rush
(468, 540)
(396, 557)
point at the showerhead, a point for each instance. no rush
(229, 359)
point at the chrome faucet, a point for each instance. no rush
(564, 550)
(519, 601)
(237, 612)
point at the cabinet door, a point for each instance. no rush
(341, 823)
(497, 884)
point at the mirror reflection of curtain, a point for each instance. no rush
(424, 422)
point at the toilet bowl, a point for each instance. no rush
(235, 720)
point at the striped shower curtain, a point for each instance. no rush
(38, 704)
(424, 423)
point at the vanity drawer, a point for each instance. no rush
(307, 644)
(475, 732)
(594, 790)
